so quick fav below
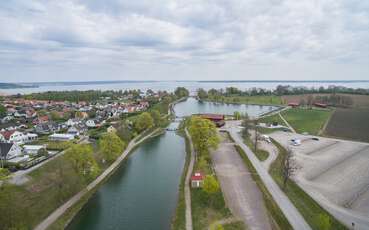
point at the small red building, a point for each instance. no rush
(218, 119)
(321, 105)
(293, 104)
(197, 180)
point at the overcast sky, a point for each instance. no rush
(83, 40)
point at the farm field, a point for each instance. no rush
(262, 100)
(360, 101)
(349, 124)
(307, 120)
(326, 172)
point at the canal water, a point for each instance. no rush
(191, 106)
(142, 193)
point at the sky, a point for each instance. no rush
(82, 40)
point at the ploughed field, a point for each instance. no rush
(337, 170)
(349, 124)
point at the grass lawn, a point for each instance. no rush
(261, 154)
(272, 119)
(260, 100)
(234, 226)
(274, 212)
(306, 120)
(310, 210)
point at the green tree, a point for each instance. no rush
(204, 134)
(124, 132)
(181, 92)
(211, 185)
(42, 152)
(83, 161)
(155, 114)
(111, 146)
(2, 111)
(55, 116)
(237, 115)
(217, 227)
(144, 121)
(202, 94)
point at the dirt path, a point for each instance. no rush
(269, 147)
(187, 186)
(72, 201)
(240, 191)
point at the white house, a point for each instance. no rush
(32, 149)
(9, 151)
(72, 122)
(91, 123)
(73, 131)
(13, 136)
(61, 137)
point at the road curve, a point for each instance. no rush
(289, 210)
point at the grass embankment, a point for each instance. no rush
(179, 218)
(279, 221)
(312, 212)
(307, 120)
(261, 154)
(260, 100)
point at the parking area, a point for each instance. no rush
(336, 169)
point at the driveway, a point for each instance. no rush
(240, 191)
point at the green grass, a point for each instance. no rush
(274, 212)
(234, 226)
(306, 120)
(310, 209)
(261, 154)
(271, 119)
(260, 100)
(179, 218)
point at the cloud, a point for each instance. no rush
(120, 33)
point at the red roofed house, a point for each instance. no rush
(13, 136)
(197, 180)
(321, 105)
(218, 119)
(293, 104)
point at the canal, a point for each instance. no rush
(142, 193)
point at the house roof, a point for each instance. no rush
(212, 116)
(4, 149)
(7, 134)
(197, 176)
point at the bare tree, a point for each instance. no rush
(289, 166)
(256, 139)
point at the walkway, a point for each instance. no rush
(241, 193)
(187, 185)
(289, 210)
(288, 124)
(72, 201)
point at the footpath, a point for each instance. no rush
(187, 185)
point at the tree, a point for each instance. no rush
(155, 114)
(83, 161)
(202, 94)
(42, 152)
(204, 134)
(111, 146)
(289, 166)
(124, 132)
(237, 115)
(217, 226)
(181, 92)
(211, 185)
(256, 138)
(144, 121)
(2, 111)
(246, 127)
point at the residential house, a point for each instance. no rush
(32, 149)
(73, 131)
(13, 136)
(46, 128)
(9, 151)
(197, 180)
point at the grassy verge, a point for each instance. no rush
(261, 154)
(179, 218)
(279, 221)
(272, 119)
(312, 212)
(307, 120)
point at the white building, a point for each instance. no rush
(91, 123)
(32, 149)
(9, 151)
(61, 137)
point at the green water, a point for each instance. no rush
(142, 193)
